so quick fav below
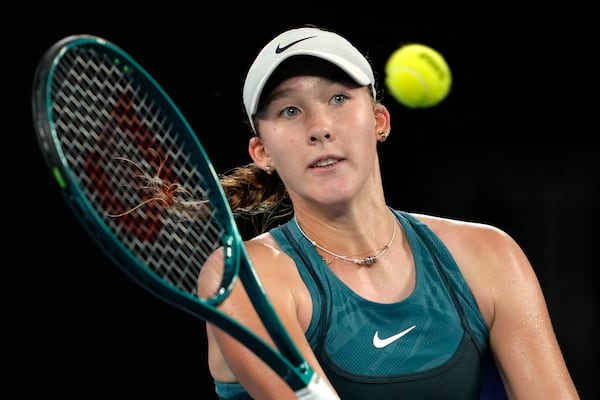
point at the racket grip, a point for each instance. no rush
(317, 389)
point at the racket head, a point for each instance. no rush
(132, 170)
(137, 178)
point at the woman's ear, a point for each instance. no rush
(259, 154)
(382, 122)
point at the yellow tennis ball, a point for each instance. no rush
(417, 76)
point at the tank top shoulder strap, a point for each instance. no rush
(290, 240)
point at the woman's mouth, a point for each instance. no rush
(327, 162)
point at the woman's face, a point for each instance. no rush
(321, 137)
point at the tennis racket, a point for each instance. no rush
(138, 179)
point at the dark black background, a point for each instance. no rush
(513, 145)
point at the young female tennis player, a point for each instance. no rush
(386, 304)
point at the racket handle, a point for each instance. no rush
(317, 389)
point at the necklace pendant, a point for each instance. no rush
(367, 260)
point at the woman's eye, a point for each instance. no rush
(338, 98)
(289, 111)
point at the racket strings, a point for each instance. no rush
(136, 165)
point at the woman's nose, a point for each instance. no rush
(321, 134)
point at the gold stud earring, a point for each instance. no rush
(384, 136)
(268, 169)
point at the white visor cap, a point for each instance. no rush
(307, 41)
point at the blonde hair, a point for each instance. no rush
(253, 193)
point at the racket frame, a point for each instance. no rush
(287, 362)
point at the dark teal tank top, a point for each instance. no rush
(431, 345)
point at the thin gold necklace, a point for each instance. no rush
(368, 260)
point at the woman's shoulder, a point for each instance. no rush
(487, 256)
(262, 245)
(476, 244)
(267, 256)
(447, 228)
